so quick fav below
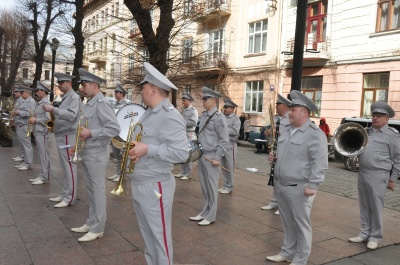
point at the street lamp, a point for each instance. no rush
(54, 44)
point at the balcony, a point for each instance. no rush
(211, 63)
(316, 50)
(98, 56)
(208, 10)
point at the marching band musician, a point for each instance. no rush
(40, 131)
(282, 120)
(119, 94)
(163, 144)
(191, 116)
(214, 138)
(21, 119)
(228, 161)
(379, 170)
(65, 124)
(301, 161)
(18, 102)
(102, 126)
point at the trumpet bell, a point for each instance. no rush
(350, 139)
(119, 190)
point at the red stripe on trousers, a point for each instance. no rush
(163, 221)
(72, 172)
(45, 158)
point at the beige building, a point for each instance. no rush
(243, 50)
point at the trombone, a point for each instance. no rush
(28, 133)
(119, 188)
(79, 145)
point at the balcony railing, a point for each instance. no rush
(97, 56)
(208, 61)
(211, 9)
(315, 48)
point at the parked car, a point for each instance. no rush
(351, 162)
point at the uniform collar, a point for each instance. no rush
(162, 104)
(212, 111)
(95, 98)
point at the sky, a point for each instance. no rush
(8, 4)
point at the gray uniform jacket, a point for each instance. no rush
(23, 116)
(41, 117)
(382, 152)
(233, 123)
(214, 137)
(165, 134)
(121, 103)
(191, 116)
(18, 103)
(102, 124)
(67, 114)
(303, 157)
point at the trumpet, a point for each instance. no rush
(50, 123)
(119, 188)
(28, 133)
(79, 145)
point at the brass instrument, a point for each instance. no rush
(50, 123)
(79, 145)
(350, 139)
(28, 133)
(119, 189)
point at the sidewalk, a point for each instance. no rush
(32, 231)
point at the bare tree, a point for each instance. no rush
(75, 27)
(42, 14)
(14, 34)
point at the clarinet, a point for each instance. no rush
(273, 148)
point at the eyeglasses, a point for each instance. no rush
(205, 98)
(377, 115)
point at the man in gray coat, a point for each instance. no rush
(214, 138)
(379, 169)
(282, 122)
(39, 122)
(65, 125)
(22, 116)
(229, 159)
(18, 100)
(162, 145)
(102, 125)
(119, 94)
(301, 161)
(191, 116)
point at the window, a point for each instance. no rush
(188, 7)
(187, 50)
(316, 23)
(388, 17)
(187, 88)
(116, 9)
(375, 87)
(112, 12)
(102, 18)
(131, 62)
(215, 43)
(312, 88)
(254, 96)
(113, 41)
(25, 73)
(46, 74)
(258, 36)
(106, 15)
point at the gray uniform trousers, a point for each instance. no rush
(42, 145)
(187, 167)
(26, 145)
(154, 216)
(371, 192)
(118, 155)
(69, 168)
(94, 170)
(209, 178)
(228, 161)
(295, 210)
(21, 147)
